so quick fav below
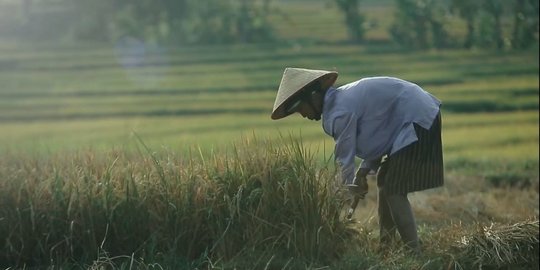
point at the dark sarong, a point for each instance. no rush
(416, 167)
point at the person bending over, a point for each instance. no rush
(392, 124)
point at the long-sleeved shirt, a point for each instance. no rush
(373, 117)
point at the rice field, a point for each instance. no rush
(262, 205)
(93, 135)
(213, 96)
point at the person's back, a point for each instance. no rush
(384, 96)
(379, 112)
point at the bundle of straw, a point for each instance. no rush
(500, 246)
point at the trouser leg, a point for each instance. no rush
(387, 226)
(403, 217)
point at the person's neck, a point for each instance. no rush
(318, 100)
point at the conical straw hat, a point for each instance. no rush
(293, 80)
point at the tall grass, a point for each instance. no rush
(260, 201)
(262, 205)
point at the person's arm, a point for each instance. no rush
(360, 185)
(359, 188)
(344, 133)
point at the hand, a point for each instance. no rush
(359, 188)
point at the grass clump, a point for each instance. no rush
(499, 246)
(259, 205)
(270, 204)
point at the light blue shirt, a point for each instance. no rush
(373, 117)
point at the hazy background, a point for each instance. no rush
(78, 75)
(138, 132)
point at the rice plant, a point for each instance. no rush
(259, 205)
(274, 203)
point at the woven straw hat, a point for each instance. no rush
(294, 80)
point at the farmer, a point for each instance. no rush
(393, 125)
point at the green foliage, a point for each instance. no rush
(243, 209)
(421, 24)
(158, 22)
(90, 19)
(63, 98)
(510, 179)
(468, 10)
(418, 24)
(188, 21)
(499, 174)
(354, 20)
(485, 19)
(525, 23)
(491, 25)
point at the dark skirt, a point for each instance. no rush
(416, 167)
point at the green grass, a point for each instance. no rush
(263, 204)
(211, 96)
(72, 117)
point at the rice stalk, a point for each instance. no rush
(262, 205)
(498, 245)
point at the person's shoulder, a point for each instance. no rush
(350, 85)
(376, 79)
(368, 81)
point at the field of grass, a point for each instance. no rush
(93, 135)
(69, 99)
(263, 205)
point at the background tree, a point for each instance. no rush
(252, 22)
(354, 20)
(173, 21)
(418, 24)
(468, 11)
(525, 30)
(495, 9)
(91, 19)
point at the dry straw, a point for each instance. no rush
(499, 246)
(268, 202)
(262, 205)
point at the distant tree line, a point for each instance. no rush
(176, 21)
(161, 21)
(421, 24)
(418, 24)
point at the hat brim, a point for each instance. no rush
(327, 80)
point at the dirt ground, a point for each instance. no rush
(463, 199)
